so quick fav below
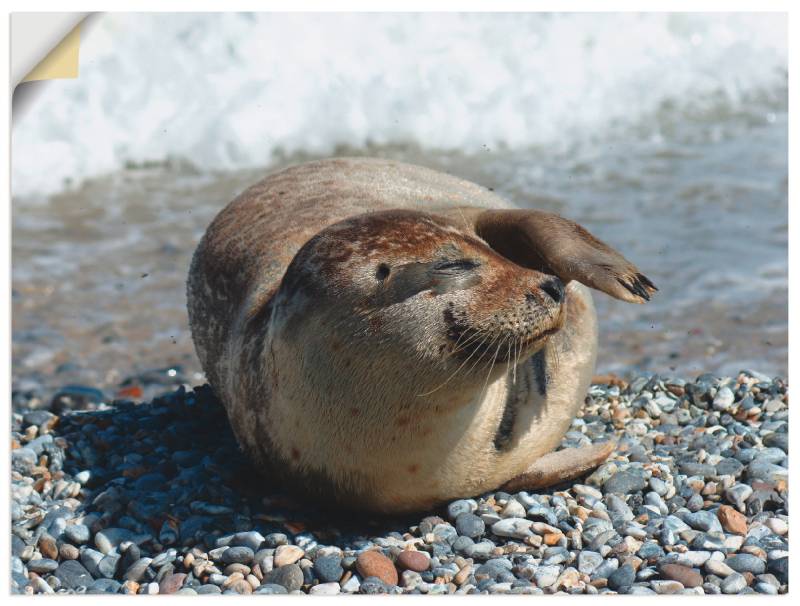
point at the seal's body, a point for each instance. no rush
(391, 337)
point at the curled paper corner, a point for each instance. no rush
(61, 62)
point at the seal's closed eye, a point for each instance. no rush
(455, 266)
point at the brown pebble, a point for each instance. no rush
(172, 582)
(48, 547)
(552, 538)
(375, 564)
(236, 567)
(732, 520)
(68, 552)
(462, 575)
(130, 587)
(287, 554)
(688, 577)
(417, 561)
(242, 587)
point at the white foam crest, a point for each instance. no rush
(230, 90)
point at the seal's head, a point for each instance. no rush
(426, 294)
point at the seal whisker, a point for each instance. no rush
(491, 367)
(419, 395)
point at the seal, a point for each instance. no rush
(388, 337)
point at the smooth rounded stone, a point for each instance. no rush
(515, 528)
(328, 568)
(375, 564)
(766, 471)
(417, 561)
(692, 468)
(284, 554)
(693, 558)
(108, 566)
(469, 525)
(723, 400)
(777, 440)
(137, 570)
(456, 508)
(240, 587)
(745, 562)
(778, 526)
(513, 509)
(622, 578)
(717, 567)
(104, 586)
(703, 520)
(444, 534)
(351, 585)
(238, 555)
(462, 546)
(666, 587)
(289, 576)
(584, 490)
(275, 539)
(733, 583)
(73, 574)
(625, 482)
(731, 520)
(545, 576)
(251, 539)
(738, 495)
(68, 552)
(149, 589)
(650, 550)
(658, 486)
(42, 566)
(109, 539)
(605, 569)
(209, 589)
(271, 589)
(164, 558)
(729, 467)
(171, 583)
(766, 588)
(588, 561)
(688, 577)
(47, 546)
(325, 589)
(372, 586)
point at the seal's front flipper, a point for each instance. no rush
(560, 466)
(547, 242)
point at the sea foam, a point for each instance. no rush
(231, 90)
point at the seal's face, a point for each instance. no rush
(426, 293)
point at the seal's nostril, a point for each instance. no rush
(554, 288)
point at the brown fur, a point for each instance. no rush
(368, 323)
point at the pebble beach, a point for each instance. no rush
(155, 498)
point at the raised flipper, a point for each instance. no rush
(550, 243)
(560, 466)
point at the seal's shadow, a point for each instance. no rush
(171, 469)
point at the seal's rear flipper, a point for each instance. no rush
(560, 466)
(547, 242)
